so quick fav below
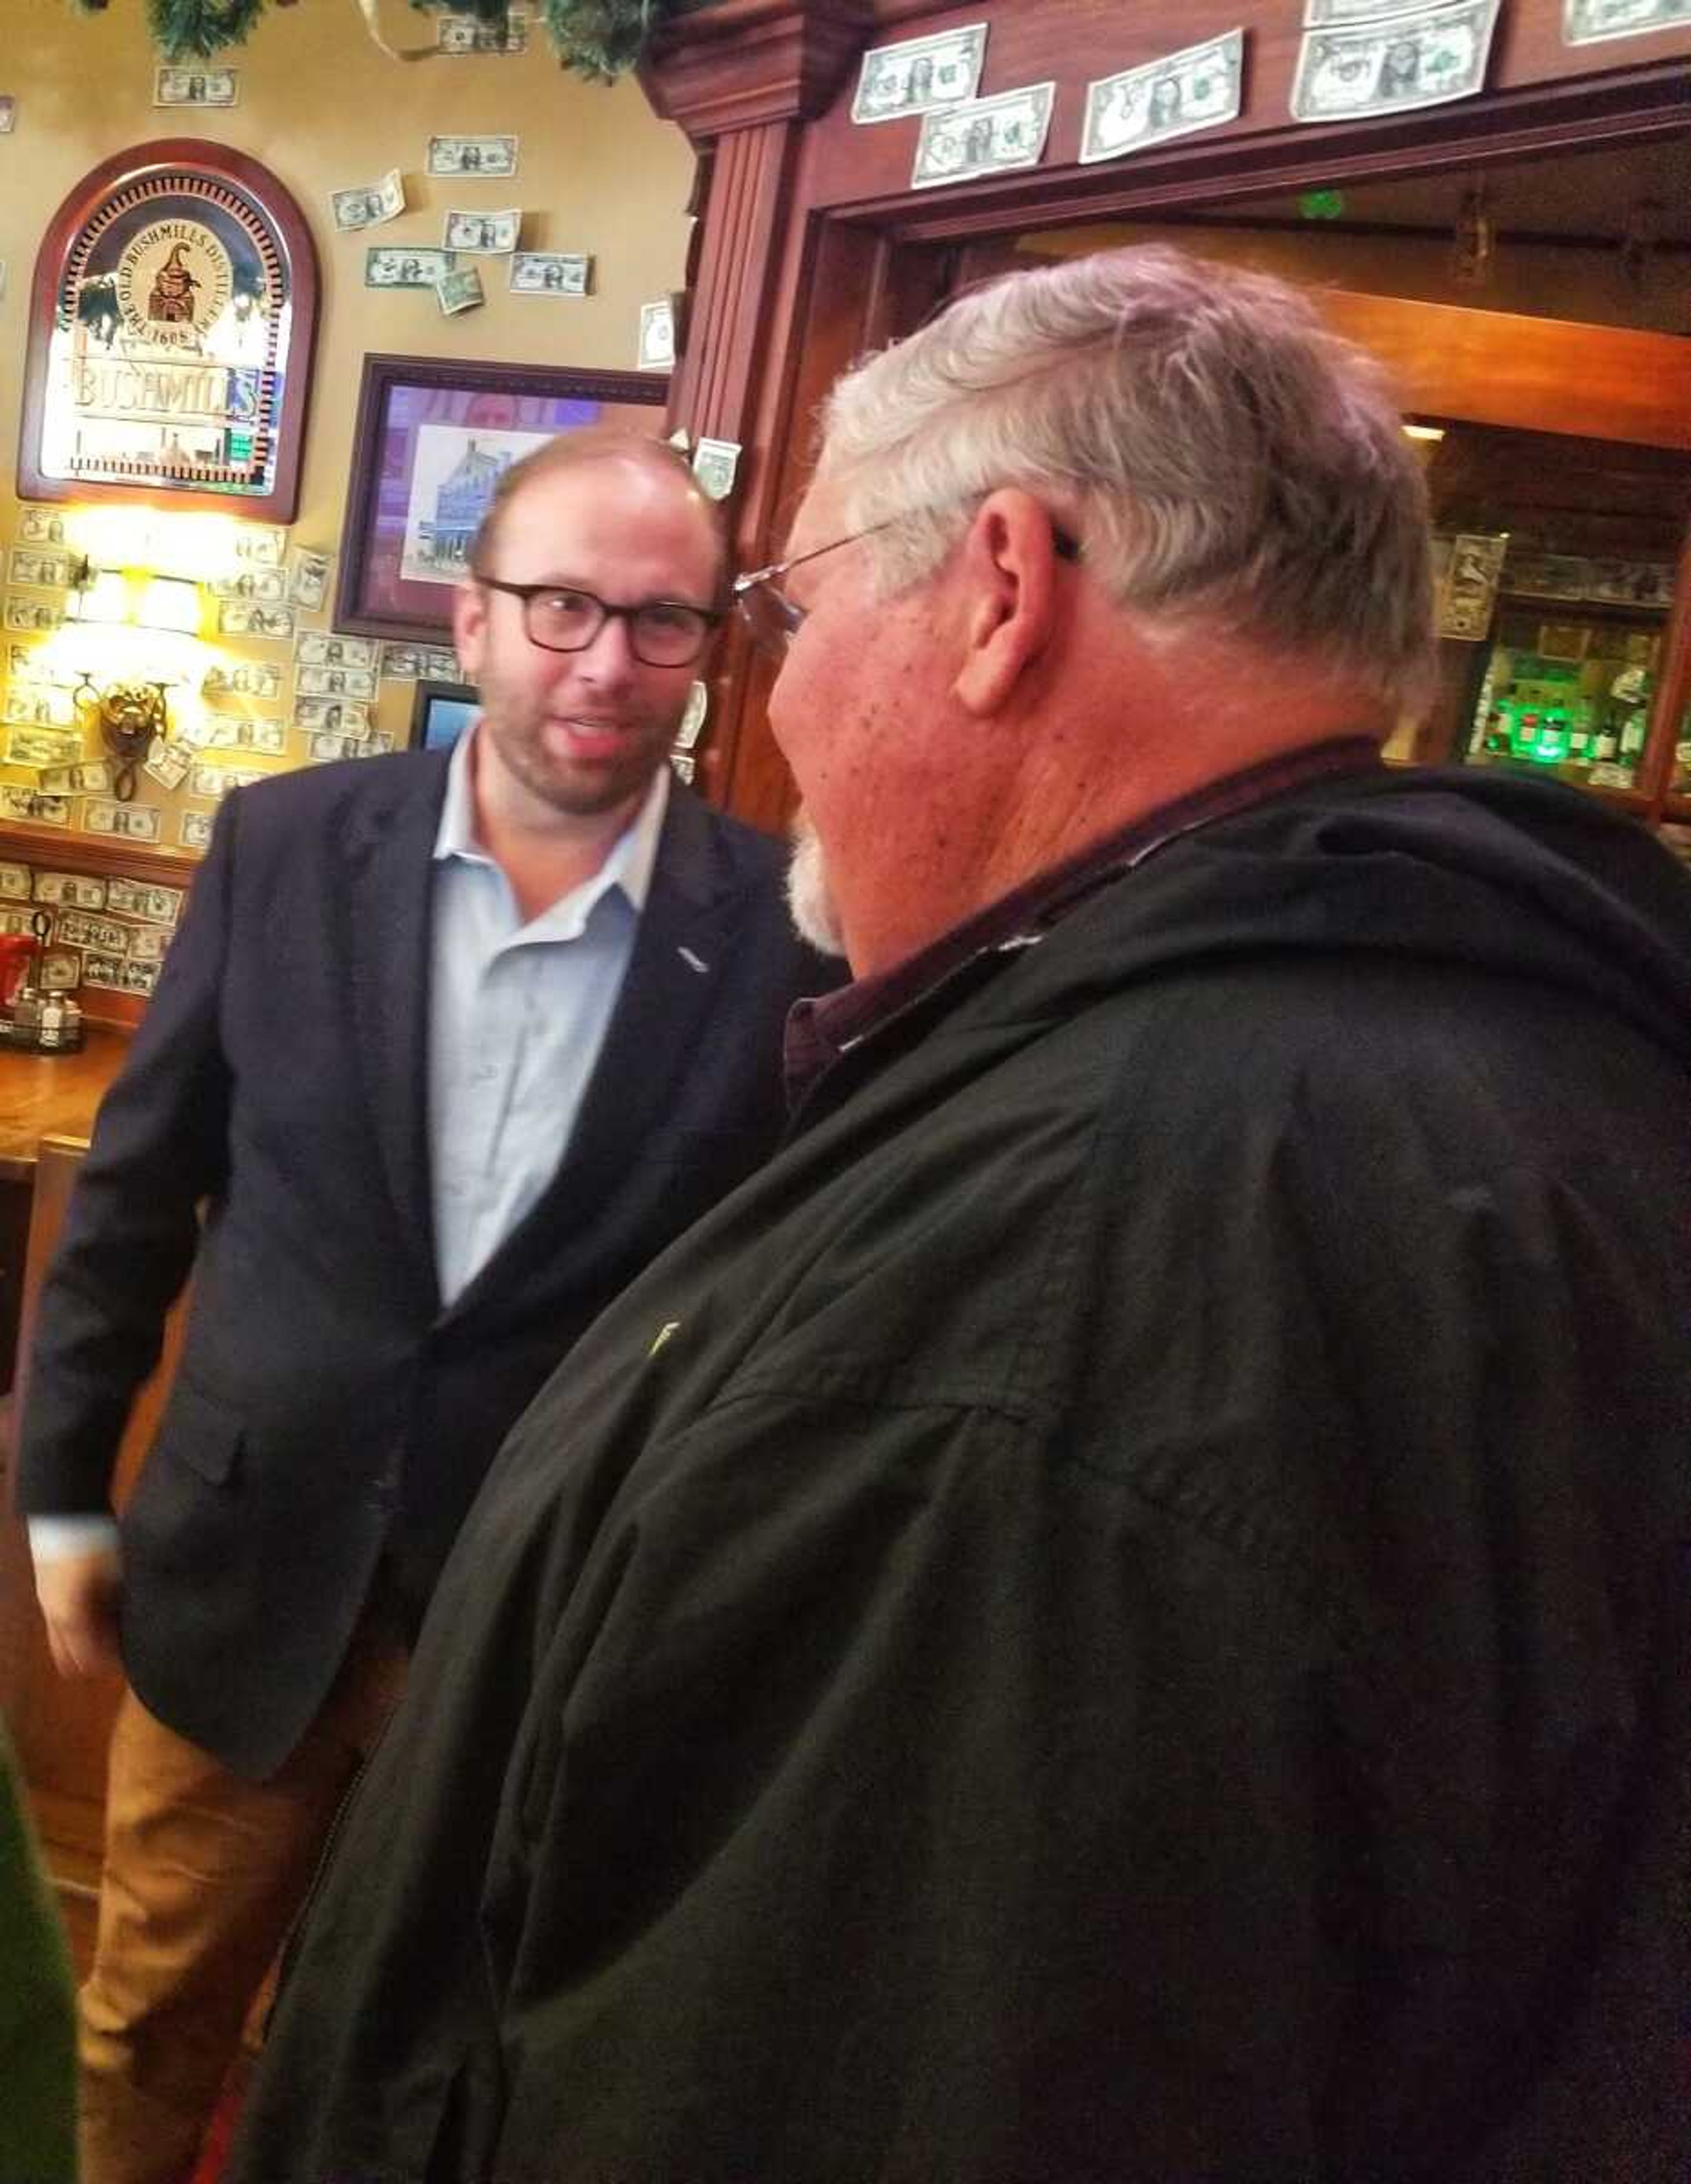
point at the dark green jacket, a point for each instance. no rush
(1119, 1613)
(37, 2010)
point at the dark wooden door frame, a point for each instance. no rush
(810, 250)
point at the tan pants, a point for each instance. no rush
(204, 1876)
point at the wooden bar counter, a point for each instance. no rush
(56, 1095)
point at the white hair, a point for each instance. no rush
(1224, 460)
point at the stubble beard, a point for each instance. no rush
(573, 791)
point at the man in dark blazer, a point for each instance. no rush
(444, 1052)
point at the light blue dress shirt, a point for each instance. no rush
(517, 1014)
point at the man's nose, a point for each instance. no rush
(610, 656)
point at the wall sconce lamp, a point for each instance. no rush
(147, 628)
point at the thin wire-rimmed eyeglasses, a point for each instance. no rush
(774, 620)
(561, 618)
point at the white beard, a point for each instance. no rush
(809, 897)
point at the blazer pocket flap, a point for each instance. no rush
(201, 1430)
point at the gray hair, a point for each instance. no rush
(1225, 459)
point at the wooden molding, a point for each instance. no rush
(752, 61)
(60, 850)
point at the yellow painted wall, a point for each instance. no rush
(324, 109)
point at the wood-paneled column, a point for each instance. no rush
(742, 78)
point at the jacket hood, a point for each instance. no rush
(1524, 878)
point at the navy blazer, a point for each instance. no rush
(269, 1130)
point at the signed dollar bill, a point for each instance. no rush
(472, 155)
(985, 136)
(1198, 88)
(919, 74)
(1423, 59)
(369, 207)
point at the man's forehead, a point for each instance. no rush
(618, 502)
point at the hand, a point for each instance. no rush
(78, 1598)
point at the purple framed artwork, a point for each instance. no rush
(432, 439)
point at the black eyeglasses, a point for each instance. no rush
(559, 618)
(774, 620)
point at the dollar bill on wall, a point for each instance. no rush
(917, 74)
(461, 291)
(405, 266)
(39, 527)
(43, 747)
(161, 905)
(252, 618)
(986, 137)
(1199, 88)
(49, 567)
(549, 273)
(1410, 61)
(472, 155)
(466, 34)
(123, 823)
(308, 579)
(483, 234)
(196, 86)
(33, 804)
(370, 206)
(328, 648)
(1588, 22)
(26, 616)
(267, 585)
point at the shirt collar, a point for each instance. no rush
(820, 1030)
(632, 856)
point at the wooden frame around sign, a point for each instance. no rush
(188, 178)
(469, 406)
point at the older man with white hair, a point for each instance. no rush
(1119, 1613)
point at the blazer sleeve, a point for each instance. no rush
(159, 1148)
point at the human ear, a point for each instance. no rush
(1010, 575)
(469, 625)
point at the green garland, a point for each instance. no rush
(599, 39)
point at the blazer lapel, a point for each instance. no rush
(391, 871)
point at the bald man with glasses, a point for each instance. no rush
(446, 1051)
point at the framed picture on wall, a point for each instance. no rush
(433, 437)
(440, 713)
